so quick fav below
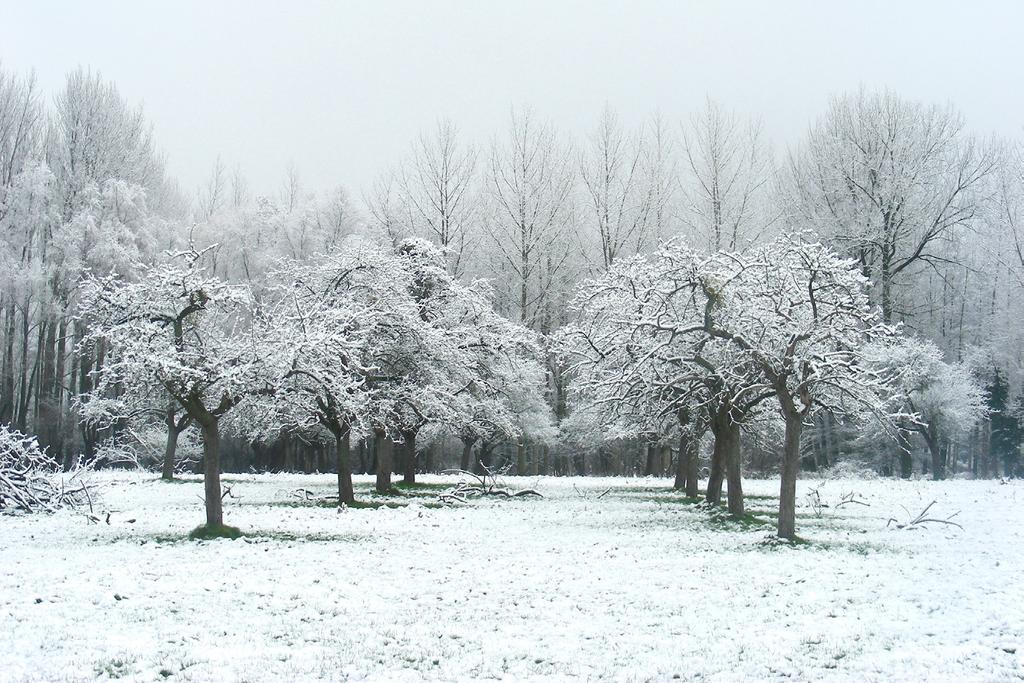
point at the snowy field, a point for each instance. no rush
(634, 585)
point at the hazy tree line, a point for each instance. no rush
(931, 213)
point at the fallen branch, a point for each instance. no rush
(599, 496)
(851, 499)
(922, 520)
(307, 495)
(486, 484)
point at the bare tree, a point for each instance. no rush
(530, 184)
(619, 196)
(212, 196)
(21, 126)
(291, 189)
(439, 185)
(726, 176)
(662, 170)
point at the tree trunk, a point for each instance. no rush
(57, 393)
(431, 458)
(725, 460)
(651, 465)
(681, 461)
(170, 450)
(521, 458)
(21, 420)
(692, 448)
(714, 492)
(935, 449)
(7, 379)
(829, 441)
(484, 461)
(211, 473)
(733, 465)
(383, 448)
(790, 470)
(906, 461)
(346, 494)
(46, 410)
(171, 447)
(409, 475)
(467, 455)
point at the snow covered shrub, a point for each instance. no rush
(144, 448)
(28, 477)
(849, 469)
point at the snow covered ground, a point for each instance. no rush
(635, 585)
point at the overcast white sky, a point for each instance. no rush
(340, 89)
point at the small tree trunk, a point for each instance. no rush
(521, 458)
(383, 447)
(346, 494)
(681, 461)
(171, 447)
(409, 476)
(467, 454)
(938, 460)
(790, 470)
(211, 473)
(828, 439)
(170, 450)
(617, 465)
(691, 467)
(431, 458)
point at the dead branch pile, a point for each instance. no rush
(29, 479)
(478, 485)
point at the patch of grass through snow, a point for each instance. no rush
(207, 532)
(382, 502)
(418, 486)
(260, 537)
(180, 479)
(723, 520)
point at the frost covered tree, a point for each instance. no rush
(639, 351)
(474, 363)
(332, 319)
(941, 401)
(801, 314)
(86, 191)
(177, 328)
(889, 181)
(505, 394)
(724, 333)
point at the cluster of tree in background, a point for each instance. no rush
(665, 292)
